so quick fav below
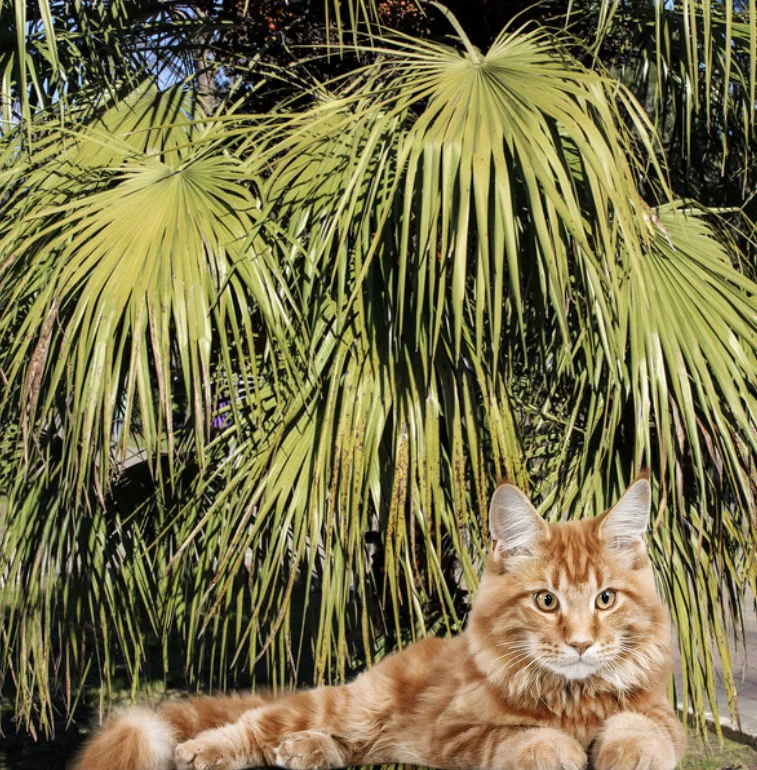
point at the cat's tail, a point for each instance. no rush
(138, 739)
(142, 739)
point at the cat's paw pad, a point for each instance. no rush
(308, 750)
(548, 749)
(199, 755)
(634, 752)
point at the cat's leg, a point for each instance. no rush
(653, 740)
(243, 744)
(231, 747)
(302, 728)
(493, 747)
(190, 716)
(369, 721)
(475, 747)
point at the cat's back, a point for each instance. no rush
(416, 671)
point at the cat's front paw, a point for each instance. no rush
(199, 755)
(206, 756)
(203, 753)
(547, 749)
(308, 750)
(633, 742)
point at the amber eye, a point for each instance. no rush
(546, 601)
(606, 599)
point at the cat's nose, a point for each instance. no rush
(581, 647)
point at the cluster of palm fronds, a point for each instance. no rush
(261, 370)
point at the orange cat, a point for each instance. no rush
(567, 653)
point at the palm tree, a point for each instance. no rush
(269, 339)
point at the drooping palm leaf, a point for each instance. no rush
(500, 160)
(692, 64)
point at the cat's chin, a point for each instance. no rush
(574, 670)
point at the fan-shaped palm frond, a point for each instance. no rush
(113, 360)
(499, 160)
(133, 340)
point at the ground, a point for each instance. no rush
(729, 756)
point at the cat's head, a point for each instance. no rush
(574, 600)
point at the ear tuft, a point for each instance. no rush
(626, 522)
(515, 525)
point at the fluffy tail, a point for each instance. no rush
(141, 739)
(138, 739)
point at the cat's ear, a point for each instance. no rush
(625, 523)
(515, 525)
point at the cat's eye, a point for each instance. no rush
(606, 599)
(545, 601)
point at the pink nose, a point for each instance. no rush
(581, 647)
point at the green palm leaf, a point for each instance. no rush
(693, 64)
(125, 259)
(497, 135)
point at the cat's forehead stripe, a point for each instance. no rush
(575, 554)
